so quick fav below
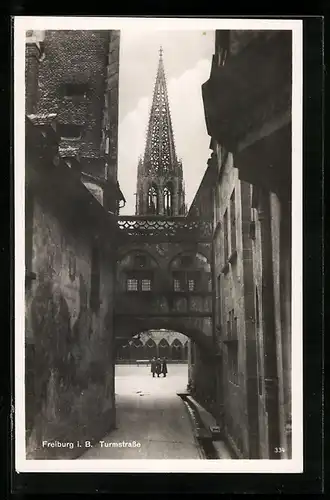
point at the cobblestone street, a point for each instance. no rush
(150, 413)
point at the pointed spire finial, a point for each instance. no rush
(160, 52)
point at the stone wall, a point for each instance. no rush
(202, 378)
(69, 344)
(252, 316)
(230, 305)
(252, 284)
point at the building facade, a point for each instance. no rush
(155, 343)
(202, 374)
(69, 257)
(248, 116)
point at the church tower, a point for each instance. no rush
(160, 185)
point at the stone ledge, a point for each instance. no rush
(212, 431)
(207, 419)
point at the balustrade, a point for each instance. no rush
(159, 228)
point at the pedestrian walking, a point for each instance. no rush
(164, 367)
(158, 367)
(153, 365)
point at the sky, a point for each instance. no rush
(187, 57)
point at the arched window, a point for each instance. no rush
(136, 349)
(153, 202)
(177, 349)
(167, 194)
(123, 353)
(164, 349)
(150, 349)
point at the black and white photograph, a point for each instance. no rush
(158, 245)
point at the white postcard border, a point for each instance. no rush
(295, 465)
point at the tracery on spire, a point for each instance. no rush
(160, 153)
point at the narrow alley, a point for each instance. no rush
(149, 413)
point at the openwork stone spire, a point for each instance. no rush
(160, 153)
(160, 188)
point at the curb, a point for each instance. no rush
(208, 434)
(203, 435)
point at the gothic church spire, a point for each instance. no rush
(160, 155)
(160, 179)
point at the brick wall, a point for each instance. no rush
(77, 57)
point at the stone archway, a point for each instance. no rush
(133, 326)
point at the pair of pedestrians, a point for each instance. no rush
(158, 366)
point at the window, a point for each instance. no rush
(232, 326)
(95, 279)
(139, 282)
(177, 350)
(191, 285)
(233, 222)
(167, 194)
(145, 285)
(209, 282)
(76, 90)
(69, 131)
(177, 285)
(107, 141)
(184, 281)
(153, 202)
(225, 233)
(132, 285)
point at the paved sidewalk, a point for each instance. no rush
(149, 412)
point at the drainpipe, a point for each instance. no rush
(270, 360)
